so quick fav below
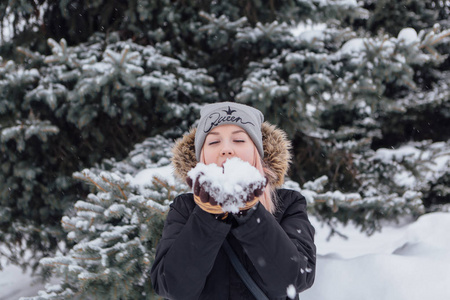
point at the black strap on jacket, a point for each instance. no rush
(248, 281)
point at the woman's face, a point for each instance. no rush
(228, 141)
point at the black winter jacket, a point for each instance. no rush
(277, 250)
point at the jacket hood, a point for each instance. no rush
(277, 156)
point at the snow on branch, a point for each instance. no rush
(24, 131)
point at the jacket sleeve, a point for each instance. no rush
(283, 253)
(187, 250)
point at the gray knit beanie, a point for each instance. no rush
(216, 114)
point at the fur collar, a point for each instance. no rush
(276, 146)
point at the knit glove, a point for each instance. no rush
(201, 196)
(233, 188)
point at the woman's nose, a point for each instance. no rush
(227, 150)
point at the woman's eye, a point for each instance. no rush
(213, 142)
(239, 141)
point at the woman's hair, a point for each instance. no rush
(268, 199)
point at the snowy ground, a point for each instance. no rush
(403, 262)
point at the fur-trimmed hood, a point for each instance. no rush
(277, 156)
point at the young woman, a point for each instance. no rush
(271, 236)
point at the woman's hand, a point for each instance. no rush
(203, 199)
(208, 203)
(232, 188)
(199, 190)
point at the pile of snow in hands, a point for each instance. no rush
(229, 185)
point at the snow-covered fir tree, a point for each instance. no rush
(363, 94)
(114, 230)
